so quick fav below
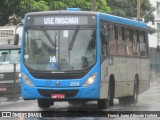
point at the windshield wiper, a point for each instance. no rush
(73, 38)
(49, 38)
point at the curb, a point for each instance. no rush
(5, 101)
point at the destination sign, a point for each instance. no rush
(60, 20)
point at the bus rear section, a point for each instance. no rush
(124, 59)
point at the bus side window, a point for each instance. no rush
(103, 41)
(143, 49)
(135, 43)
(104, 34)
(128, 40)
(112, 31)
(120, 41)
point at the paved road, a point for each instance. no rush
(148, 101)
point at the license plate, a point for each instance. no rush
(58, 96)
(2, 89)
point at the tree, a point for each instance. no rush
(31, 6)
(7, 9)
(128, 9)
(102, 6)
(85, 5)
(13, 11)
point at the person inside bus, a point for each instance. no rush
(112, 37)
(89, 58)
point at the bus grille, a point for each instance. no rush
(68, 93)
(58, 75)
(77, 74)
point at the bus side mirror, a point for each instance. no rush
(16, 39)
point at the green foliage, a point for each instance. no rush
(7, 8)
(32, 6)
(128, 9)
(39, 6)
(151, 30)
(101, 5)
(13, 11)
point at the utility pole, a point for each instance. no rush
(93, 7)
(138, 9)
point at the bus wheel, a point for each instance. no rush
(131, 99)
(74, 102)
(44, 103)
(122, 100)
(103, 103)
(111, 91)
(134, 98)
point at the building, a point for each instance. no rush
(154, 39)
(7, 34)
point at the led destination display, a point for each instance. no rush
(60, 20)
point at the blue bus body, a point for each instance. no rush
(71, 88)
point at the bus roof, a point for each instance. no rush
(104, 16)
(123, 21)
(62, 12)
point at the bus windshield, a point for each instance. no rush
(59, 49)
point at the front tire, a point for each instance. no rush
(131, 99)
(111, 92)
(134, 98)
(103, 103)
(77, 102)
(44, 103)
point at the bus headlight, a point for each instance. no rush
(90, 80)
(27, 80)
(19, 75)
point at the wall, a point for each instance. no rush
(7, 34)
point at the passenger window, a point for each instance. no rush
(112, 31)
(121, 42)
(143, 46)
(135, 43)
(127, 37)
(119, 33)
(103, 40)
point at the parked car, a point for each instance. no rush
(10, 71)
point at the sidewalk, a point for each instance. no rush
(4, 100)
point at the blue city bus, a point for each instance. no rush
(79, 56)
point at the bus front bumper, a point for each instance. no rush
(89, 92)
